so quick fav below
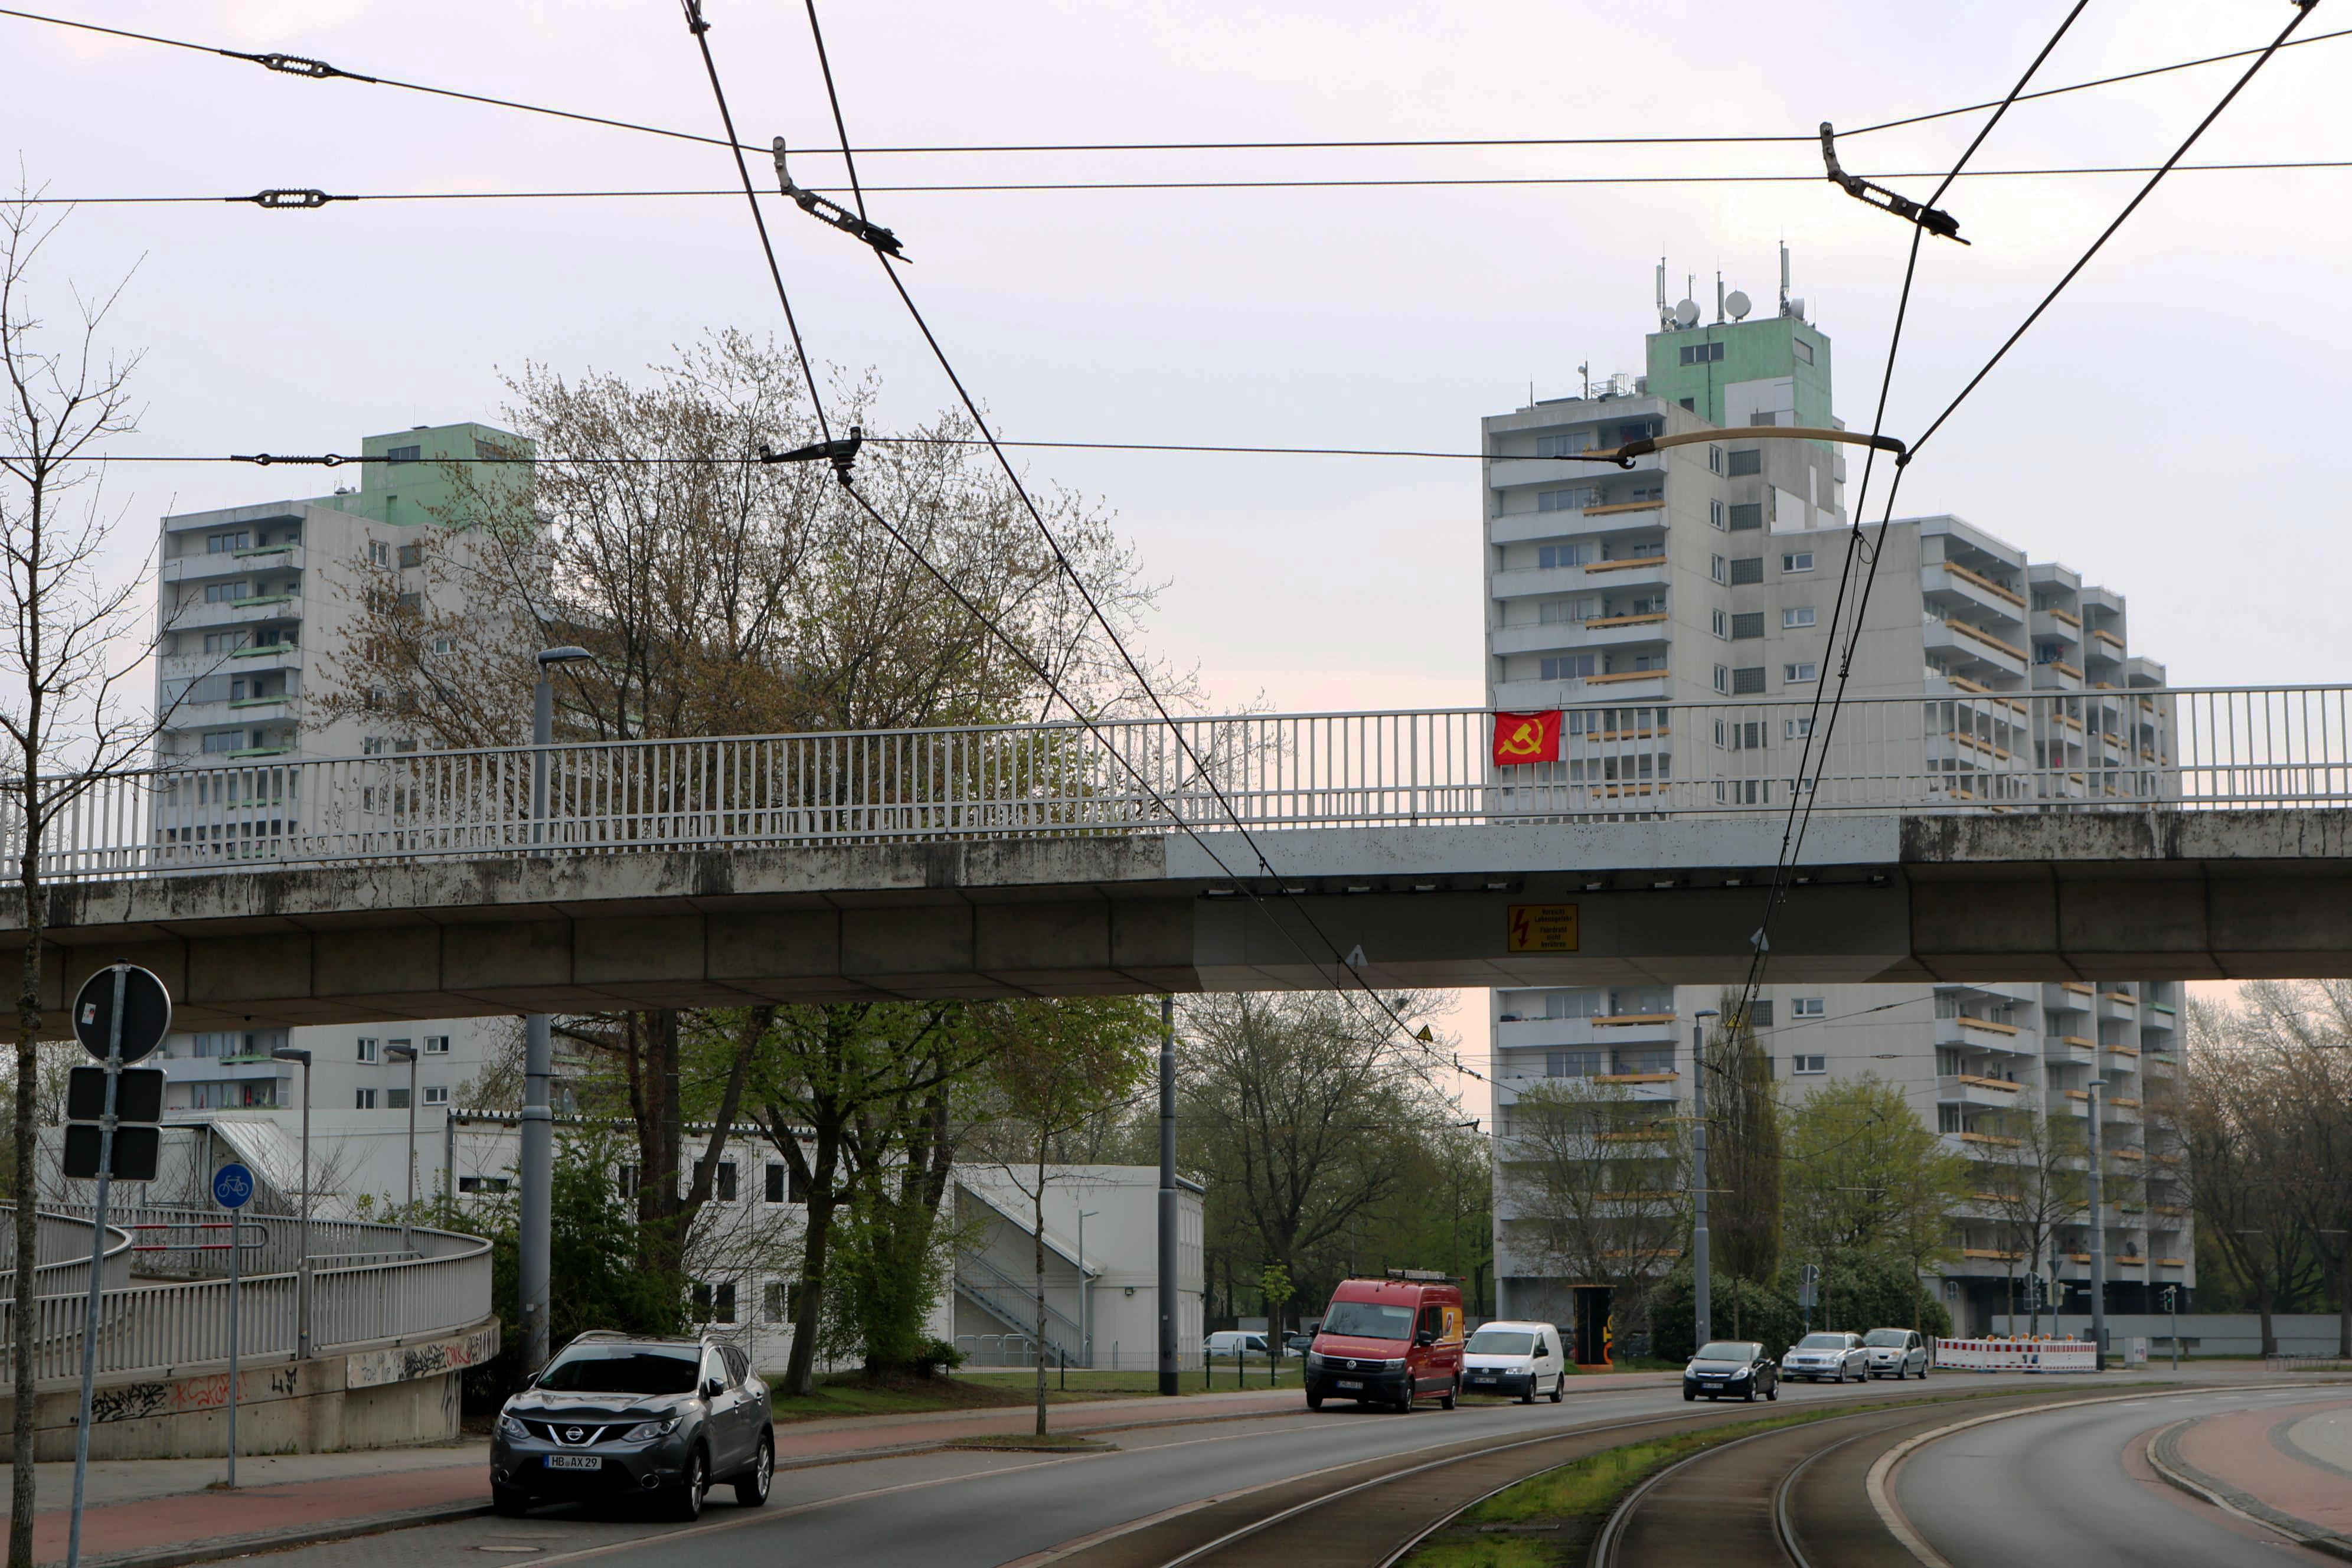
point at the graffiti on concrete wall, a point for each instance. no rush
(131, 1402)
(404, 1364)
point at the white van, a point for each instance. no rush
(1522, 1359)
(1227, 1343)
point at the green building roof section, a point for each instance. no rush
(1764, 350)
(421, 489)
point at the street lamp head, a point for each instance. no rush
(401, 1053)
(291, 1054)
(1707, 1013)
(565, 655)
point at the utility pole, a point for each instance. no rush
(1702, 1275)
(1167, 1310)
(2098, 1236)
(536, 1226)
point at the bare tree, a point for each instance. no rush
(76, 648)
(2302, 1035)
(1594, 1185)
(2029, 1177)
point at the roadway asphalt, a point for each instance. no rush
(2075, 1487)
(974, 1509)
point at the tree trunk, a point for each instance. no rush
(26, 1252)
(2344, 1306)
(2262, 1304)
(1037, 1212)
(800, 1369)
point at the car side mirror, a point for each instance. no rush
(712, 1388)
(1426, 1337)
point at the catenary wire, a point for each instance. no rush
(1817, 733)
(892, 270)
(1341, 145)
(326, 198)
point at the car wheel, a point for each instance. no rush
(1773, 1391)
(508, 1502)
(1689, 1396)
(1452, 1396)
(751, 1487)
(1314, 1402)
(685, 1500)
(1527, 1395)
(1560, 1388)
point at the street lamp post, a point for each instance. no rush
(538, 1152)
(303, 1270)
(1702, 1276)
(400, 1053)
(1085, 1296)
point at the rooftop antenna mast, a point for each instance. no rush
(1784, 278)
(1665, 316)
(1718, 296)
(1585, 370)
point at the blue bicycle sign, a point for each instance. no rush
(232, 1186)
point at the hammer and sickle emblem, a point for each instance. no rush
(1525, 739)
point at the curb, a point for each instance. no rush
(276, 1540)
(2163, 1459)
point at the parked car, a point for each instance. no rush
(1897, 1353)
(1521, 1359)
(615, 1415)
(1738, 1368)
(1297, 1344)
(1389, 1341)
(1227, 1343)
(1833, 1357)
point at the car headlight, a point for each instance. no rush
(647, 1431)
(1397, 1364)
(1314, 1359)
(510, 1427)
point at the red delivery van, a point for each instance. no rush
(1389, 1341)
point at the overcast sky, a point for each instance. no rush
(2169, 430)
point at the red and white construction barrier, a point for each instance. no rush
(2016, 1356)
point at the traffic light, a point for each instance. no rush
(2172, 1295)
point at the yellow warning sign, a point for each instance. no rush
(1543, 928)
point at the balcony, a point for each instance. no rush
(1625, 1029)
(237, 613)
(2069, 1050)
(1975, 1144)
(1555, 473)
(208, 567)
(2071, 1102)
(1528, 582)
(241, 711)
(1954, 583)
(1983, 1035)
(1622, 686)
(1959, 642)
(1965, 1088)
(1634, 517)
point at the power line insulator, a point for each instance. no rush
(841, 453)
(286, 200)
(825, 210)
(296, 65)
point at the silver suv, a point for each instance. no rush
(1897, 1353)
(614, 1416)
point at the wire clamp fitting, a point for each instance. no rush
(286, 199)
(298, 65)
(825, 210)
(264, 459)
(694, 22)
(840, 452)
(1935, 220)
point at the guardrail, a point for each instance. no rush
(1951, 750)
(155, 1328)
(61, 1253)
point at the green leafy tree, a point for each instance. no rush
(1866, 1178)
(1744, 1117)
(1740, 1309)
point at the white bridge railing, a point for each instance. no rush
(1952, 749)
(444, 1286)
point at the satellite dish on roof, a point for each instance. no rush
(1738, 305)
(1687, 313)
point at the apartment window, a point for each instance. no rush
(714, 1303)
(437, 1045)
(363, 1100)
(624, 1181)
(1796, 616)
(1822, 1064)
(1722, 678)
(1563, 500)
(1647, 1062)
(394, 1100)
(1805, 350)
(1702, 353)
(1569, 667)
(367, 1048)
(1715, 459)
(1796, 729)
(445, 645)
(437, 1094)
(1746, 569)
(1750, 462)
(225, 642)
(402, 454)
(1806, 1008)
(1720, 622)
(1801, 673)
(1797, 560)
(223, 543)
(1718, 568)
(483, 1183)
(1566, 611)
(1575, 1064)
(1761, 417)
(773, 1299)
(1646, 492)
(1747, 515)
(411, 555)
(225, 741)
(1715, 512)
(1748, 682)
(379, 552)
(225, 593)
(1572, 554)
(1743, 735)
(1760, 1013)
(723, 1184)
(1564, 444)
(412, 601)
(1744, 626)
(1743, 792)
(373, 746)
(1689, 403)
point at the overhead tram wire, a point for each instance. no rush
(320, 70)
(887, 257)
(1817, 733)
(700, 28)
(1803, 820)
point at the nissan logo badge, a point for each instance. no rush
(574, 1434)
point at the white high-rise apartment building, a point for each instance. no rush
(255, 603)
(1707, 573)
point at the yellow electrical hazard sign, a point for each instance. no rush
(1543, 928)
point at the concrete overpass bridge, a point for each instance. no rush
(2185, 834)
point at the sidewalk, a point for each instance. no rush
(292, 1499)
(2291, 1468)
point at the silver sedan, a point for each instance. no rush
(1826, 1357)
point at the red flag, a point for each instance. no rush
(1526, 737)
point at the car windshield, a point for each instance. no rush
(1821, 1342)
(1501, 1341)
(1892, 1337)
(1368, 1320)
(618, 1371)
(1726, 1350)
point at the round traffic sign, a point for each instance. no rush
(232, 1186)
(146, 1011)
